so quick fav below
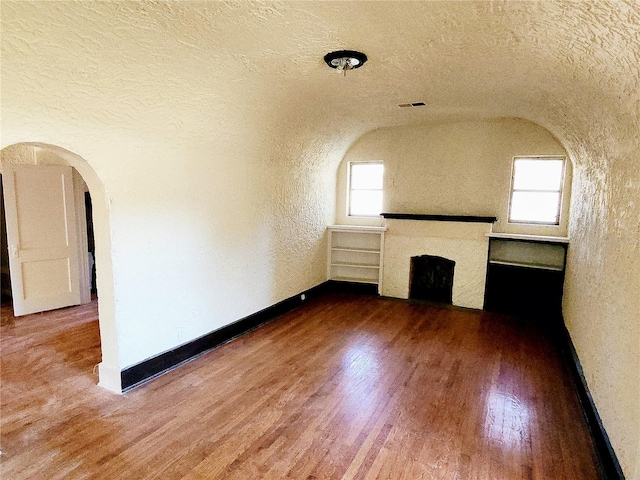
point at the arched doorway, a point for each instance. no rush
(46, 154)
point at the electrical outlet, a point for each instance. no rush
(181, 335)
(303, 297)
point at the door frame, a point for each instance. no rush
(36, 153)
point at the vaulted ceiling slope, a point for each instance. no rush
(179, 67)
(248, 79)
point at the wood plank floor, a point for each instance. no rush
(345, 387)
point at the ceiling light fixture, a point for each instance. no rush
(343, 60)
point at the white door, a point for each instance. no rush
(41, 237)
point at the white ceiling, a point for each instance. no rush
(187, 68)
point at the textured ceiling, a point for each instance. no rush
(187, 68)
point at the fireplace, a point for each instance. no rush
(431, 279)
(464, 243)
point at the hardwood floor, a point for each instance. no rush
(346, 387)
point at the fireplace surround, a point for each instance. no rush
(459, 239)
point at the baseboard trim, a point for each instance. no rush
(609, 464)
(146, 370)
(339, 286)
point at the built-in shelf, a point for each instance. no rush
(525, 275)
(356, 280)
(353, 264)
(527, 252)
(356, 228)
(357, 250)
(355, 254)
(529, 238)
(526, 265)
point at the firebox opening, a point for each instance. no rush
(431, 279)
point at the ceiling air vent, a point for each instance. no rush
(414, 104)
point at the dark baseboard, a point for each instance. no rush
(142, 372)
(339, 286)
(609, 464)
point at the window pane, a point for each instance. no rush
(530, 174)
(534, 207)
(366, 202)
(366, 176)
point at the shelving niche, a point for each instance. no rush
(355, 254)
(525, 275)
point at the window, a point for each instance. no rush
(365, 188)
(536, 190)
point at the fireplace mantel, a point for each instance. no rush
(464, 242)
(439, 218)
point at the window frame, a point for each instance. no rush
(349, 189)
(560, 192)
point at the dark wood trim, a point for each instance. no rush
(146, 370)
(440, 218)
(607, 457)
(338, 286)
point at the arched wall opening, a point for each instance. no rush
(34, 153)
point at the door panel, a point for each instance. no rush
(41, 234)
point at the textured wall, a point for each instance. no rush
(217, 201)
(602, 289)
(214, 128)
(455, 168)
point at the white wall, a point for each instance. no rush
(202, 242)
(461, 168)
(199, 246)
(602, 286)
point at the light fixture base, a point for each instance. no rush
(343, 60)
